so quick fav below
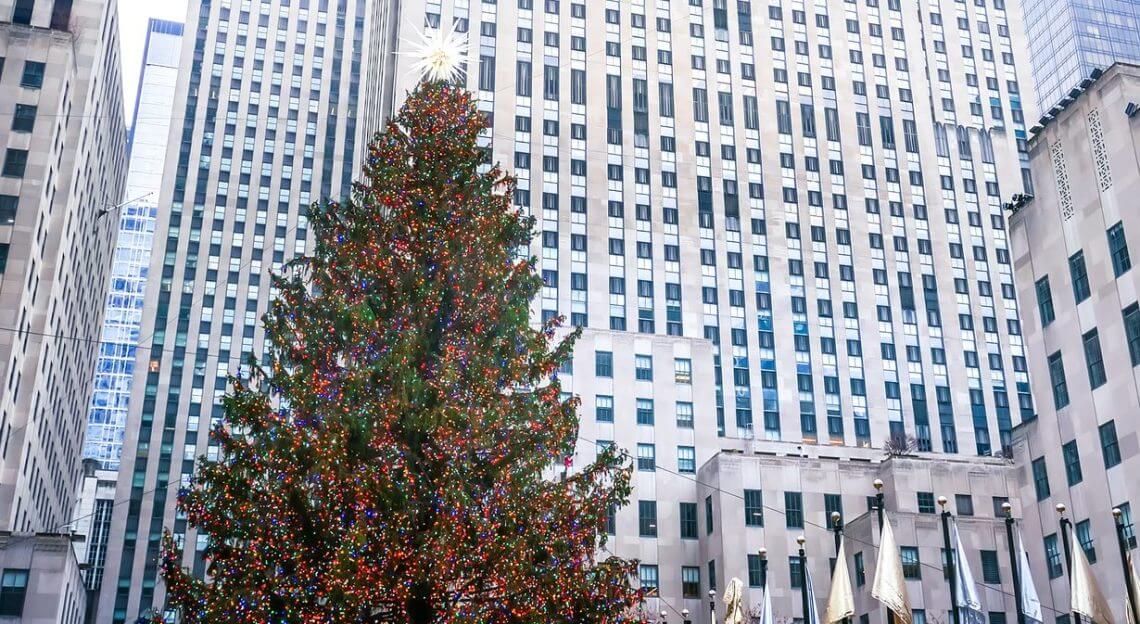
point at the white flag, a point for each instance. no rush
(968, 600)
(841, 600)
(812, 616)
(1030, 603)
(1084, 595)
(766, 616)
(889, 587)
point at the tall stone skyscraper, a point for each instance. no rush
(781, 224)
(265, 122)
(63, 167)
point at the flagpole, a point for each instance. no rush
(1065, 524)
(764, 568)
(879, 507)
(712, 605)
(952, 577)
(803, 581)
(837, 522)
(1118, 520)
(1014, 563)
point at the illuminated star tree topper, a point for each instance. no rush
(439, 53)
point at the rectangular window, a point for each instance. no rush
(684, 415)
(15, 163)
(13, 588)
(686, 459)
(1118, 249)
(754, 576)
(1094, 359)
(645, 412)
(646, 457)
(9, 205)
(753, 508)
(1126, 520)
(683, 370)
(604, 408)
(24, 119)
(603, 364)
(1057, 379)
(690, 582)
(1109, 445)
(647, 574)
(1040, 478)
(832, 503)
(1053, 556)
(926, 503)
(860, 570)
(991, 571)
(795, 571)
(643, 367)
(1080, 276)
(688, 517)
(1084, 536)
(33, 77)
(1072, 462)
(712, 574)
(708, 515)
(1045, 301)
(794, 510)
(964, 503)
(1132, 331)
(912, 567)
(647, 518)
(611, 520)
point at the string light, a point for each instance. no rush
(386, 462)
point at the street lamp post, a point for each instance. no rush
(1014, 560)
(952, 577)
(1065, 524)
(879, 507)
(805, 599)
(712, 605)
(1121, 540)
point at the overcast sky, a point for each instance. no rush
(133, 16)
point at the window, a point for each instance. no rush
(686, 459)
(683, 370)
(9, 204)
(1053, 556)
(964, 503)
(643, 365)
(991, 571)
(1132, 331)
(709, 519)
(912, 567)
(647, 574)
(926, 503)
(15, 162)
(754, 576)
(1072, 462)
(753, 508)
(794, 510)
(1118, 249)
(1057, 378)
(646, 458)
(1045, 301)
(690, 582)
(24, 120)
(604, 408)
(795, 571)
(1080, 276)
(860, 570)
(13, 587)
(832, 503)
(645, 412)
(1109, 446)
(611, 519)
(684, 415)
(998, 502)
(603, 364)
(1126, 520)
(33, 77)
(688, 517)
(3, 257)
(1084, 536)
(647, 518)
(1094, 359)
(712, 574)
(1040, 479)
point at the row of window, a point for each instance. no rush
(13, 589)
(643, 367)
(1070, 454)
(1083, 530)
(1079, 276)
(1094, 358)
(32, 76)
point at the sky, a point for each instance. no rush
(133, 17)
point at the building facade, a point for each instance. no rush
(1068, 39)
(40, 579)
(154, 109)
(64, 144)
(1071, 245)
(266, 104)
(781, 224)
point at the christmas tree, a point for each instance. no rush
(396, 455)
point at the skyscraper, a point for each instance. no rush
(64, 144)
(62, 163)
(780, 223)
(124, 309)
(1068, 39)
(265, 122)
